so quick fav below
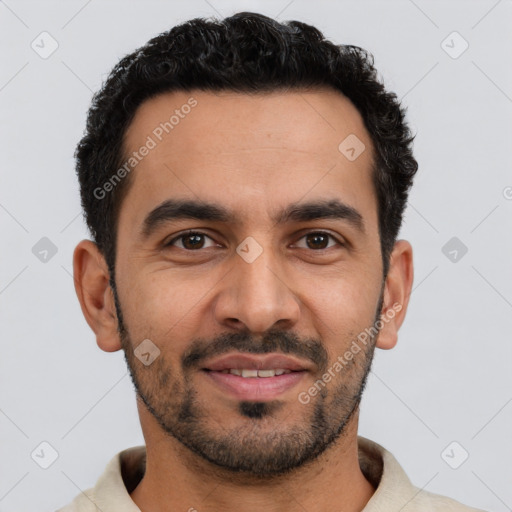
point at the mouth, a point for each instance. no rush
(256, 377)
(249, 373)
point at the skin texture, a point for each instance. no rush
(253, 154)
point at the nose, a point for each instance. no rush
(256, 296)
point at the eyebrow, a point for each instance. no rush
(174, 209)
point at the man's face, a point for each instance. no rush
(256, 290)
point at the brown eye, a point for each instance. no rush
(190, 241)
(319, 240)
(193, 241)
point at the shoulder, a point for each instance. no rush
(428, 502)
(112, 490)
(394, 490)
(84, 502)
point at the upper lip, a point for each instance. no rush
(256, 362)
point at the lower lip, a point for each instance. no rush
(255, 388)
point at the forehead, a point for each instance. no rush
(255, 149)
(303, 120)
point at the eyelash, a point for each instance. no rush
(190, 233)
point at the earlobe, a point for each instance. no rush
(91, 279)
(397, 291)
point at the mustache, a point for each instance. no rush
(273, 341)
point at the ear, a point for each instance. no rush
(91, 278)
(397, 290)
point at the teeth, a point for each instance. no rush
(256, 373)
(266, 373)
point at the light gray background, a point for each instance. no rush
(449, 377)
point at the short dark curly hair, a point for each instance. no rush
(248, 53)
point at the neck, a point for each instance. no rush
(177, 479)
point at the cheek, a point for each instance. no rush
(162, 308)
(342, 307)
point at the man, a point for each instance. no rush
(244, 182)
